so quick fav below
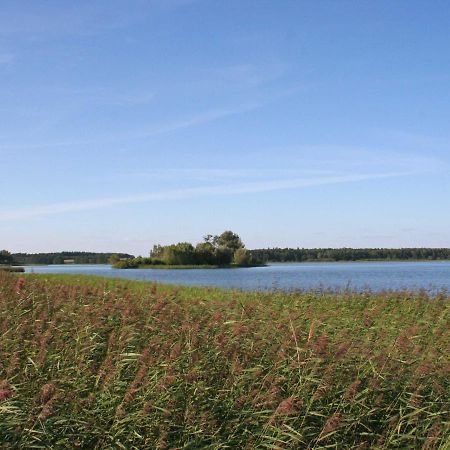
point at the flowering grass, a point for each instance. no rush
(92, 363)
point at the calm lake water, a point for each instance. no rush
(366, 275)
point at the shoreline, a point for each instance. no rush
(189, 266)
(142, 284)
(314, 261)
(266, 264)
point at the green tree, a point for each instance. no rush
(210, 239)
(223, 255)
(205, 253)
(179, 254)
(229, 240)
(242, 257)
(5, 257)
(156, 251)
(114, 258)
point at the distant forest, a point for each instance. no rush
(262, 255)
(59, 258)
(349, 254)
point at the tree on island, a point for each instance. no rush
(114, 258)
(205, 251)
(242, 257)
(224, 246)
(229, 240)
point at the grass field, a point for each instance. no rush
(92, 363)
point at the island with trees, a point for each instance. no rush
(224, 250)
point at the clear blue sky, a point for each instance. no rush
(125, 123)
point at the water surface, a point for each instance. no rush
(375, 276)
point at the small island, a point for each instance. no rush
(221, 251)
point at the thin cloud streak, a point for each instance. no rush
(209, 116)
(189, 193)
(76, 18)
(202, 174)
(145, 132)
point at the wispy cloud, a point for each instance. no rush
(212, 174)
(247, 74)
(148, 131)
(77, 18)
(145, 131)
(413, 139)
(310, 161)
(190, 193)
(131, 99)
(199, 119)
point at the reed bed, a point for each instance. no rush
(92, 364)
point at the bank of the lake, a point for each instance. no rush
(191, 266)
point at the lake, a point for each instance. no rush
(375, 276)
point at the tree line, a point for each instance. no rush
(349, 254)
(220, 250)
(5, 257)
(60, 258)
(225, 249)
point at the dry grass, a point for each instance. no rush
(88, 363)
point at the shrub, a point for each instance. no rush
(242, 257)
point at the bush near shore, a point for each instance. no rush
(11, 269)
(93, 363)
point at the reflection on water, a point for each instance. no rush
(367, 275)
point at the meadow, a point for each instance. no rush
(92, 363)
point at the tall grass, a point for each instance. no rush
(87, 363)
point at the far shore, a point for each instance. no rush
(266, 263)
(329, 261)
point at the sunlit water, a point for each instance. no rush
(375, 276)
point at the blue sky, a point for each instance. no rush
(294, 123)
